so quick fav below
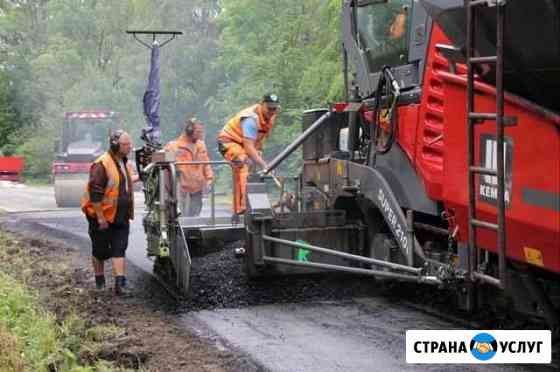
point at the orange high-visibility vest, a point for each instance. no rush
(111, 196)
(232, 131)
(193, 176)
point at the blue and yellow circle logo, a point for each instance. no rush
(483, 346)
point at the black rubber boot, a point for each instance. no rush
(100, 282)
(120, 286)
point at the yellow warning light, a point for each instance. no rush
(533, 256)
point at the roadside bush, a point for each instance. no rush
(38, 153)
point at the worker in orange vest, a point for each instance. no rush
(108, 203)
(193, 179)
(242, 139)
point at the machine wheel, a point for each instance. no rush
(65, 202)
(61, 200)
(68, 194)
(381, 244)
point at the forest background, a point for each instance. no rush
(71, 55)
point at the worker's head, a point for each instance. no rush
(194, 129)
(397, 29)
(270, 105)
(120, 143)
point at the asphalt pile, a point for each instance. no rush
(218, 280)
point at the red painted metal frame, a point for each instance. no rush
(11, 168)
(535, 166)
(433, 135)
(69, 168)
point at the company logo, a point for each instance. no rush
(483, 346)
(302, 253)
(488, 185)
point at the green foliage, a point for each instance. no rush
(83, 60)
(8, 114)
(37, 150)
(31, 339)
(290, 48)
(232, 52)
(30, 325)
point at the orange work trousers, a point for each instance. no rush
(236, 155)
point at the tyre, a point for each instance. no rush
(381, 244)
(64, 199)
(68, 191)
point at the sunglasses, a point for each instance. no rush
(272, 109)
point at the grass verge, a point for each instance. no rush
(33, 331)
(31, 337)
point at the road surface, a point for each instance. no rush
(357, 334)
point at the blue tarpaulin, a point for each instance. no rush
(152, 97)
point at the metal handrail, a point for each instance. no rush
(212, 189)
(297, 142)
(201, 162)
(356, 270)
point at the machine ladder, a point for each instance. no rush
(475, 118)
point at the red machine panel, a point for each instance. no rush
(532, 159)
(11, 168)
(65, 168)
(430, 142)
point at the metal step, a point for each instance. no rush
(487, 279)
(480, 117)
(475, 3)
(482, 170)
(486, 59)
(484, 224)
(475, 118)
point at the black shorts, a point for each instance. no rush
(110, 242)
